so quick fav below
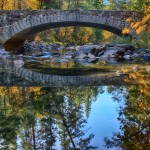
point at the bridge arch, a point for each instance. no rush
(13, 35)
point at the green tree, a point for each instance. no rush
(135, 121)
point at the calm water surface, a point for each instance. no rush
(39, 114)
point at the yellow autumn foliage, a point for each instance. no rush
(85, 34)
(12, 4)
(139, 26)
(107, 35)
(32, 4)
(140, 78)
(16, 90)
(141, 29)
(66, 33)
(125, 31)
(124, 70)
(39, 116)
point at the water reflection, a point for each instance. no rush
(43, 118)
(104, 75)
(56, 118)
(134, 118)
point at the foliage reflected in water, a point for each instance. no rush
(134, 118)
(56, 118)
(67, 69)
(35, 118)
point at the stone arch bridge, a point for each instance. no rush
(18, 26)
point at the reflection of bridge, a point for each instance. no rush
(18, 26)
(12, 76)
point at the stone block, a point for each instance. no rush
(5, 36)
(2, 39)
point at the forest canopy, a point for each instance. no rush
(74, 4)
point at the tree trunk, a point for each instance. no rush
(19, 4)
(33, 137)
(2, 5)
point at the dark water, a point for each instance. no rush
(47, 111)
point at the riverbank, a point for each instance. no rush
(83, 54)
(90, 53)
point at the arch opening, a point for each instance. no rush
(16, 41)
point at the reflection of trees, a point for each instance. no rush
(8, 124)
(135, 120)
(69, 118)
(37, 117)
(14, 109)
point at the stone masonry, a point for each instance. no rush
(20, 25)
(32, 78)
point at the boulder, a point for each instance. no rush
(3, 53)
(72, 47)
(119, 72)
(87, 48)
(146, 57)
(67, 57)
(57, 54)
(135, 55)
(59, 48)
(112, 51)
(136, 68)
(82, 56)
(120, 53)
(94, 52)
(101, 53)
(92, 60)
(108, 60)
(91, 56)
(110, 45)
(129, 52)
(18, 63)
(70, 53)
(127, 57)
(35, 54)
(45, 53)
(142, 50)
(115, 49)
(63, 60)
(109, 53)
(126, 46)
(81, 61)
(148, 69)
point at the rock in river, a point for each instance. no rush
(18, 63)
(136, 68)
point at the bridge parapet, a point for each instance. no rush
(10, 17)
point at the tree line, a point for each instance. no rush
(74, 4)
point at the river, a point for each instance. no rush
(71, 106)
